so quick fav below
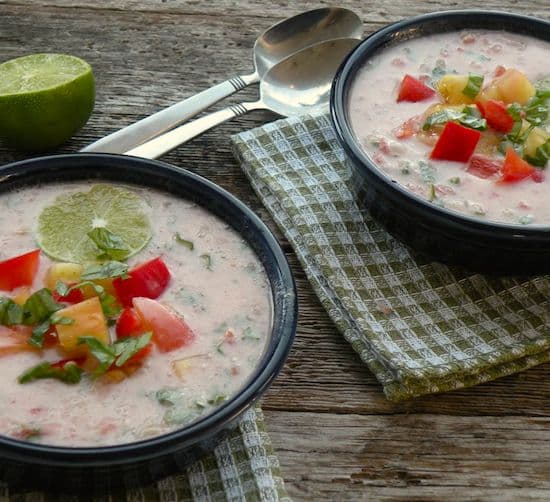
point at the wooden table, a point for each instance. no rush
(334, 432)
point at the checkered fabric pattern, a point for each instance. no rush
(420, 326)
(243, 467)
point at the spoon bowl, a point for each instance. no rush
(299, 84)
(274, 45)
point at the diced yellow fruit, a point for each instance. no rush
(114, 376)
(451, 87)
(181, 366)
(20, 295)
(88, 321)
(69, 273)
(512, 86)
(537, 137)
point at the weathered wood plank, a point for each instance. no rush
(419, 455)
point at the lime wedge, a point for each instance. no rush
(63, 226)
(44, 99)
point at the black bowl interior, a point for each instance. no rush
(148, 459)
(441, 233)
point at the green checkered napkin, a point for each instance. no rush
(242, 467)
(420, 326)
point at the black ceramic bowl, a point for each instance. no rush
(442, 234)
(100, 469)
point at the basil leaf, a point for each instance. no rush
(542, 154)
(109, 305)
(103, 353)
(207, 261)
(217, 399)
(169, 396)
(536, 111)
(65, 321)
(10, 312)
(38, 333)
(467, 117)
(111, 245)
(62, 289)
(473, 86)
(70, 373)
(188, 244)
(39, 306)
(107, 270)
(127, 347)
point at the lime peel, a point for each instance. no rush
(63, 226)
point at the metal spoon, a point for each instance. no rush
(299, 84)
(273, 45)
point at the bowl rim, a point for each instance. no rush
(27, 172)
(407, 29)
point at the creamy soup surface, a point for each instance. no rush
(220, 289)
(376, 118)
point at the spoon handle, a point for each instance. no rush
(137, 133)
(164, 143)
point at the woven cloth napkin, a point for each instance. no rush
(420, 326)
(242, 467)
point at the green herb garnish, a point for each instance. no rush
(111, 245)
(542, 154)
(469, 117)
(108, 302)
(188, 244)
(431, 192)
(69, 373)
(249, 335)
(207, 260)
(10, 312)
(473, 86)
(39, 306)
(107, 270)
(117, 353)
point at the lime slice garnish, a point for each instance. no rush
(44, 99)
(63, 226)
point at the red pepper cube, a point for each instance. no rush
(19, 270)
(412, 89)
(515, 168)
(496, 114)
(456, 143)
(147, 279)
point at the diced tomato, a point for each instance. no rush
(169, 331)
(483, 167)
(19, 271)
(496, 114)
(412, 89)
(129, 323)
(515, 168)
(148, 279)
(408, 128)
(456, 143)
(74, 296)
(15, 339)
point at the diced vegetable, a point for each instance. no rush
(456, 143)
(129, 323)
(484, 167)
(412, 89)
(74, 296)
(21, 295)
(68, 273)
(14, 340)
(169, 331)
(88, 321)
(511, 87)
(19, 271)
(496, 114)
(515, 168)
(537, 147)
(451, 88)
(148, 280)
(473, 86)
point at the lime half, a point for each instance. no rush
(44, 99)
(63, 226)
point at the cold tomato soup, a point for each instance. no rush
(164, 319)
(461, 119)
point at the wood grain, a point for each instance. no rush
(335, 434)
